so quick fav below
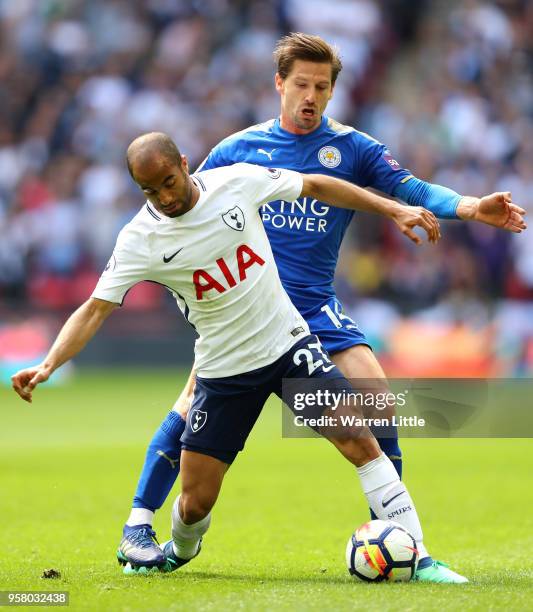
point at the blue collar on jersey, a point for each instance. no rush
(279, 131)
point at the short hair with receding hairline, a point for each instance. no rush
(307, 47)
(151, 143)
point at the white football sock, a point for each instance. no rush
(140, 516)
(389, 499)
(187, 537)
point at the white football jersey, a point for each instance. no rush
(217, 262)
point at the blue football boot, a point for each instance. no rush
(139, 550)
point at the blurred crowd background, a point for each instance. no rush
(448, 86)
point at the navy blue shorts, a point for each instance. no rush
(224, 410)
(336, 330)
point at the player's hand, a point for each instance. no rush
(409, 217)
(183, 403)
(25, 381)
(496, 209)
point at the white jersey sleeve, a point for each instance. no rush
(127, 266)
(268, 184)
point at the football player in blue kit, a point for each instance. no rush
(305, 236)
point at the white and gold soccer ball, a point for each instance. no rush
(382, 550)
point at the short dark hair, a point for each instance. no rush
(299, 46)
(153, 142)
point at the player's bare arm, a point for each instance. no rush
(79, 328)
(346, 195)
(496, 209)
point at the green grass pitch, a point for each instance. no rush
(68, 468)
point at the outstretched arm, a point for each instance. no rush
(496, 209)
(80, 327)
(346, 195)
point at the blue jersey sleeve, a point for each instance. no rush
(377, 167)
(441, 201)
(215, 159)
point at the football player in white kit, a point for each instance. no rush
(203, 238)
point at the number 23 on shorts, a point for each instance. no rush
(315, 357)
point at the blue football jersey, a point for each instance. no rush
(306, 234)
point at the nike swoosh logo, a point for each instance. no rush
(167, 259)
(386, 503)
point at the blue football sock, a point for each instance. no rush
(425, 562)
(390, 446)
(161, 466)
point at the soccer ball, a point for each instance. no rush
(382, 550)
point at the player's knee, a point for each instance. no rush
(381, 402)
(386, 409)
(194, 507)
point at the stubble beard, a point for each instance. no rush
(310, 125)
